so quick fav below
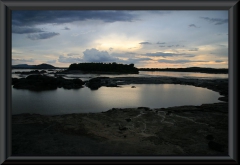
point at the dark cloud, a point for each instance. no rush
(51, 61)
(161, 42)
(144, 43)
(72, 54)
(216, 21)
(161, 54)
(64, 59)
(219, 61)
(178, 61)
(31, 18)
(66, 28)
(94, 55)
(193, 25)
(194, 49)
(25, 29)
(41, 36)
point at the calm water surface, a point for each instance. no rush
(84, 100)
(85, 77)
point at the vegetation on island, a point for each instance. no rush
(104, 67)
(190, 69)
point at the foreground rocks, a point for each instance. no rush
(184, 130)
(42, 82)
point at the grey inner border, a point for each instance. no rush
(5, 64)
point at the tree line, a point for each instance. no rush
(104, 67)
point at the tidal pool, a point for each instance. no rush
(84, 100)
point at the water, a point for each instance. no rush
(84, 100)
(85, 77)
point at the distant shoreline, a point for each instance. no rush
(143, 70)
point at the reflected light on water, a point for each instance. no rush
(84, 100)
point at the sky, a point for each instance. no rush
(146, 38)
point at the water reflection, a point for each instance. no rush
(61, 101)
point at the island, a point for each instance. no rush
(40, 66)
(104, 68)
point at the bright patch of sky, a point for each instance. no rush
(149, 39)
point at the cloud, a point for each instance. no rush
(219, 61)
(51, 61)
(25, 29)
(42, 36)
(217, 21)
(72, 54)
(136, 60)
(64, 59)
(94, 55)
(161, 42)
(17, 60)
(110, 49)
(66, 28)
(194, 49)
(31, 18)
(161, 54)
(144, 43)
(161, 46)
(16, 53)
(178, 61)
(193, 25)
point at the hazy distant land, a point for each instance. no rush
(120, 68)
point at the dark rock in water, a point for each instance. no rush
(14, 81)
(209, 137)
(97, 82)
(94, 83)
(133, 87)
(215, 146)
(43, 82)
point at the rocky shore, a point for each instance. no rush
(183, 130)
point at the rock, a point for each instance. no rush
(133, 87)
(122, 128)
(215, 146)
(168, 112)
(43, 71)
(145, 108)
(94, 83)
(128, 120)
(43, 82)
(209, 137)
